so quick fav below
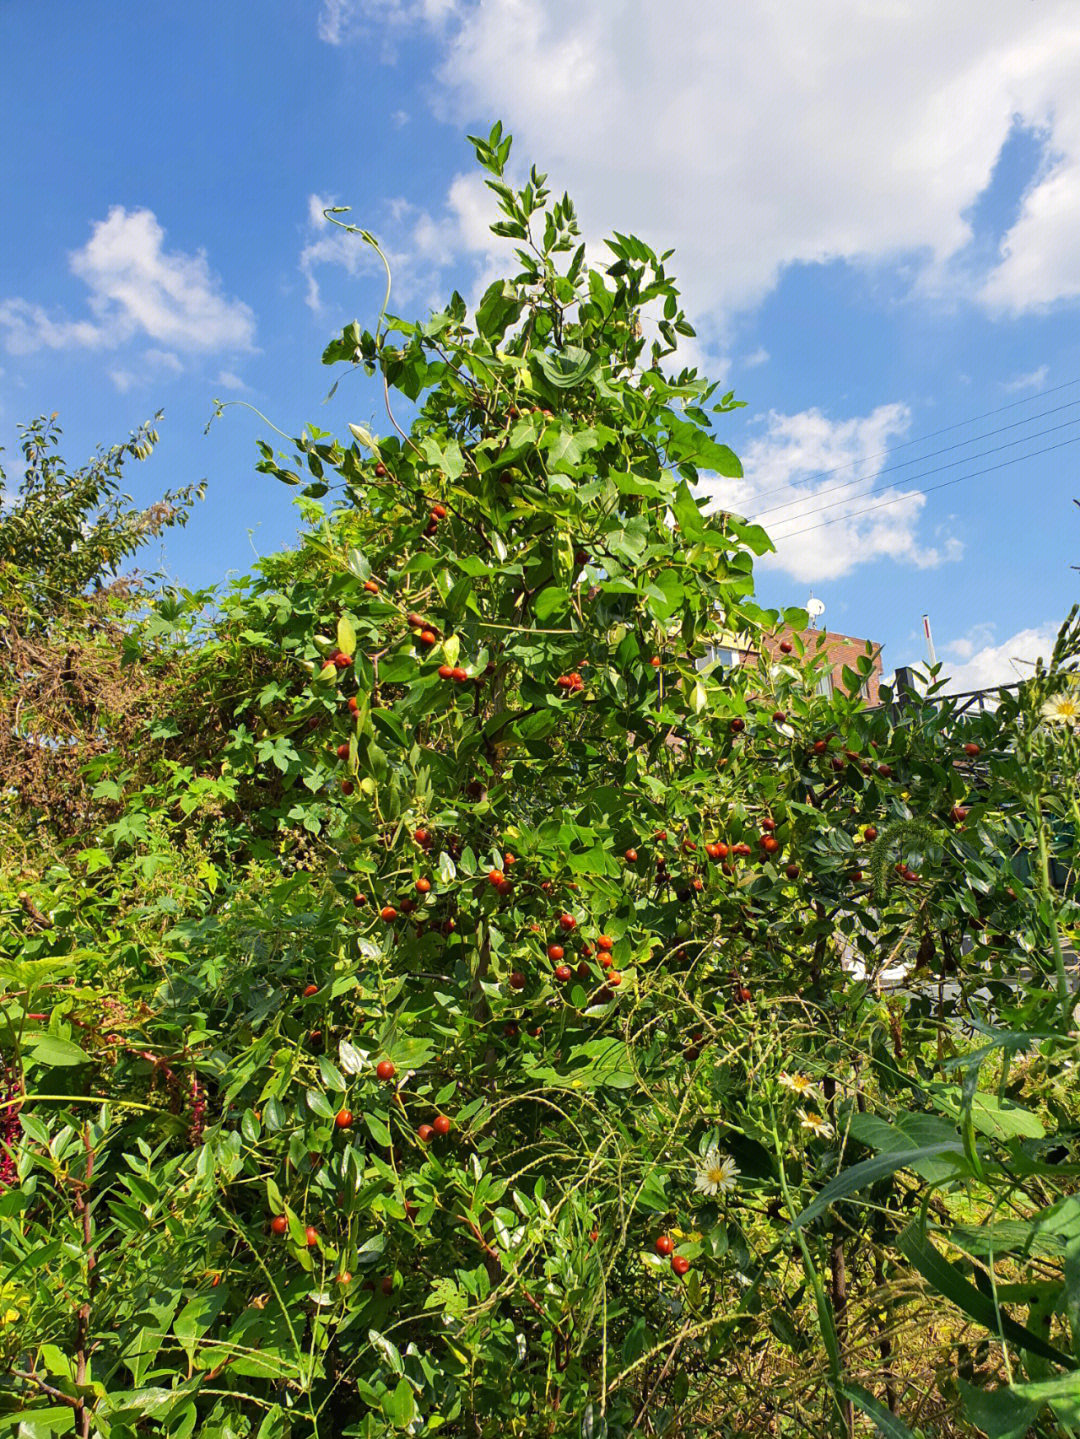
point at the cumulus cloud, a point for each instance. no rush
(136, 287)
(777, 135)
(981, 664)
(813, 483)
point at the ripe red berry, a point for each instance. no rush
(870, 833)
(606, 961)
(423, 885)
(424, 1133)
(279, 1224)
(428, 637)
(380, 471)
(496, 877)
(511, 1030)
(310, 989)
(311, 1236)
(359, 900)
(958, 814)
(442, 1124)
(445, 672)
(438, 512)
(418, 622)
(422, 837)
(568, 922)
(664, 1244)
(386, 1284)
(769, 843)
(563, 973)
(605, 942)
(655, 662)
(768, 825)
(386, 1069)
(594, 1235)
(555, 951)
(509, 859)
(517, 979)
(971, 750)
(785, 647)
(614, 978)
(680, 1264)
(459, 675)
(343, 1119)
(354, 705)
(388, 914)
(346, 786)
(743, 995)
(583, 970)
(343, 751)
(885, 771)
(792, 871)
(737, 725)
(779, 717)
(631, 856)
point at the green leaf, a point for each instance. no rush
(687, 513)
(1000, 1412)
(868, 1172)
(1062, 1393)
(567, 368)
(888, 1425)
(947, 1279)
(346, 636)
(399, 1406)
(51, 1050)
(550, 602)
(197, 1316)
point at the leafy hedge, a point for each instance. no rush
(449, 1009)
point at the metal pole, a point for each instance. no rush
(929, 640)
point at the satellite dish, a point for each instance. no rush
(814, 607)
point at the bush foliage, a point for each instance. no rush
(437, 999)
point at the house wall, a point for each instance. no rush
(841, 650)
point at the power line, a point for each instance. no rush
(1016, 459)
(937, 470)
(918, 460)
(933, 434)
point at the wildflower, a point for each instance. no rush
(815, 1124)
(717, 1173)
(1063, 708)
(797, 1083)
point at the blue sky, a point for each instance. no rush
(874, 207)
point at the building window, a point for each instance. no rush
(721, 656)
(824, 685)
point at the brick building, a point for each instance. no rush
(829, 648)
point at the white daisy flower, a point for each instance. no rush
(815, 1124)
(717, 1173)
(797, 1083)
(1063, 708)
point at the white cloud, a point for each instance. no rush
(228, 381)
(418, 245)
(806, 469)
(122, 379)
(755, 137)
(164, 360)
(759, 357)
(136, 287)
(343, 20)
(1032, 380)
(992, 664)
